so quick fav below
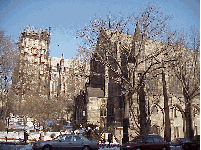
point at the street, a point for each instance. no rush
(29, 147)
(15, 147)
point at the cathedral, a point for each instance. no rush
(103, 100)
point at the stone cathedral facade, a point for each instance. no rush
(103, 100)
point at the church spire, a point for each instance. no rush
(137, 34)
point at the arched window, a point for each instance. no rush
(154, 110)
(195, 111)
(103, 111)
(155, 129)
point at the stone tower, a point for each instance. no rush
(34, 45)
(31, 74)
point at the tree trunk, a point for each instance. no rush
(167, 132)
(143, 114)
(188, 116)
(189, 130)
(126, 120)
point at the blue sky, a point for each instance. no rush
(66, 17)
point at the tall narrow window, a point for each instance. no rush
(177, 129)
(103, 111)
(196, 130)
(175, 112)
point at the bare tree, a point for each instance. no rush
(8, 55)
(187, 71)
(130, 58)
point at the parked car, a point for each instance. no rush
(178, 143)
(67, 141)
(146, 142)
(193, 144)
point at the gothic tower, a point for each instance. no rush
(31, 73)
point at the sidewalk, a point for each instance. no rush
(111, 148)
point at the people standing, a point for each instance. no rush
(25, 136)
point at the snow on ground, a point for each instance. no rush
(15, 136)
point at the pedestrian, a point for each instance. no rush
(6, 134)
(25, 136)
(110, 138)
(104, 140)
(41, 136)
(89, 133)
